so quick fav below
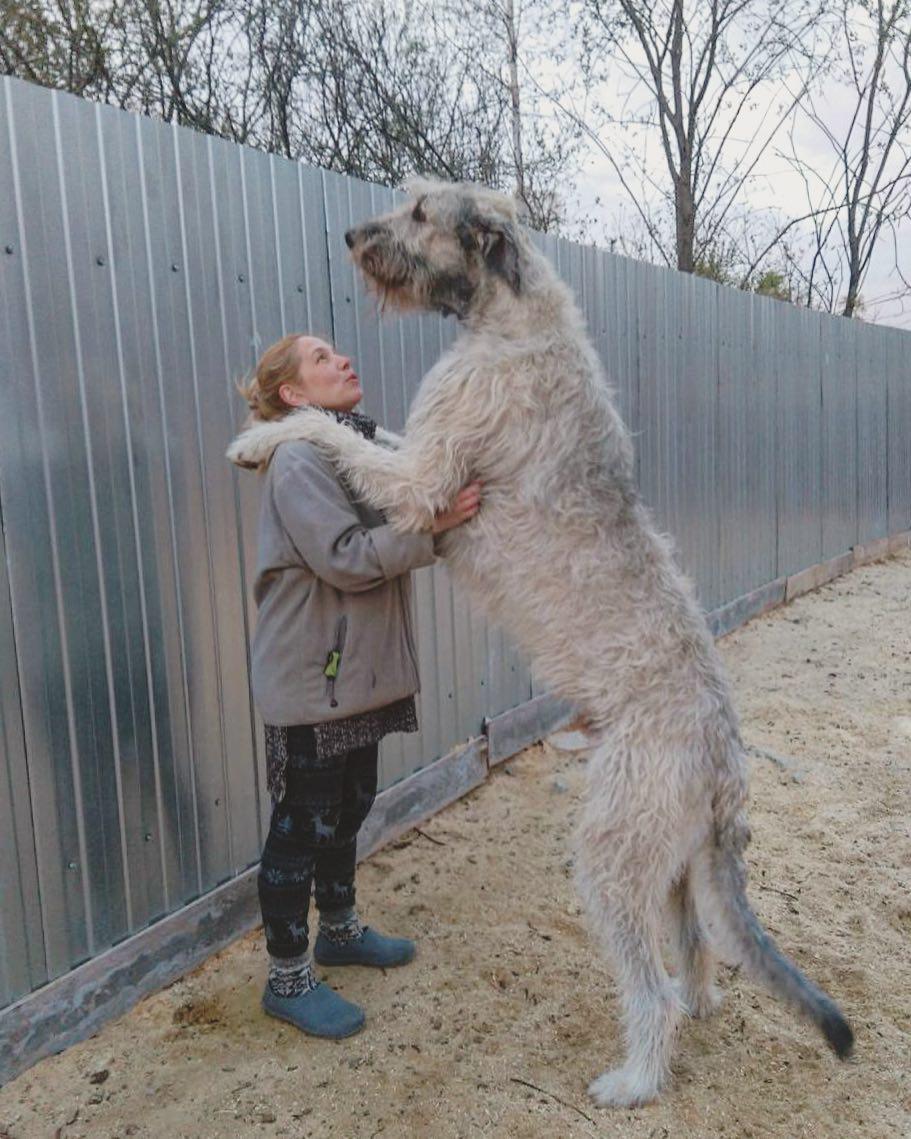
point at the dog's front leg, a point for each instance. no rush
(410, 484)
(396, 482)
(388, 439)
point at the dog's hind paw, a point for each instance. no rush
(703, 1003)
(623, 1088)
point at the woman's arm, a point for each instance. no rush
(321, 521)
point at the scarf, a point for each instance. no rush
(362, 424)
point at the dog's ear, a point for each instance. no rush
(496, 240)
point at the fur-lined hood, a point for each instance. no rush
(256, 443)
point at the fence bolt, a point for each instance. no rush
(99, 260)
(241, 278)
(174, 267)
(9, 249)
(71, 865)
(148, 837)
(300, 288)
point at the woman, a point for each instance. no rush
(333, 671)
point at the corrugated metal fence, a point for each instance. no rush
(142, 269)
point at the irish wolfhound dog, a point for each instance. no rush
(564, 554)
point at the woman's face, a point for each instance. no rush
(324, 379)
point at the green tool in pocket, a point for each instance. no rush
(332, 663)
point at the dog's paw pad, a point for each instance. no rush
(620, 1088)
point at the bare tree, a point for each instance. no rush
(867, 191)
(509, 42)
(56, 43)
(511, 27)
(696, 72)
(390, 95)
(376, 88)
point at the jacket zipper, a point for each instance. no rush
(334, 660)
(409, 634)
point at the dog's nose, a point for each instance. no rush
(362, 233)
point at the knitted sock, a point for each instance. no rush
(291, 976)
(340, 926)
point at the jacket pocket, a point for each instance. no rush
(334, 660)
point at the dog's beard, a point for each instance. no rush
(395, 277)
(392, 294)
(393, 298)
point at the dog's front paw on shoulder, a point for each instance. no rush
(621, 1087)
(241, 456)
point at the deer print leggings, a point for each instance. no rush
(312, 838)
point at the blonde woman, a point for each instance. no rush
(333, 671)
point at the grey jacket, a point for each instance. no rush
(334, 633)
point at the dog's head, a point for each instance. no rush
(443, 250)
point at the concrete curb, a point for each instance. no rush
(784, 589)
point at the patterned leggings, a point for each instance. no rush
(313, 838)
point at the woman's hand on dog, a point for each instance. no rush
(465, 505)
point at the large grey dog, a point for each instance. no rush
(564, 554)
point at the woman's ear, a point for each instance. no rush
(291, 396)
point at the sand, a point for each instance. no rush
(507, 1013)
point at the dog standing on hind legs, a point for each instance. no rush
(566, 557)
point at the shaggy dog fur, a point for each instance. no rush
(564, 554)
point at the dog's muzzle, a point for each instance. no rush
(361, 234)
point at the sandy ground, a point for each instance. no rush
(507, 1014)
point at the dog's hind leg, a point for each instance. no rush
(696, 961)
(651, 1006)
(625, 907)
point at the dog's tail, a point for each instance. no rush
(753, 947)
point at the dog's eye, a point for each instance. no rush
(417, 214)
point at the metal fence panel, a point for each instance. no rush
(53, 579)
(229, 802)
(202, 781)
(22, 953)
(21, 943)
(695, 506)
(620, 341)
(117, 424)
(137, 213)
(762, 400)
(799, 440)
(872, 434)
(838, 363)
(674, 403)
(747, 370)
(899, 430)
(657, 411)
(132, 879)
